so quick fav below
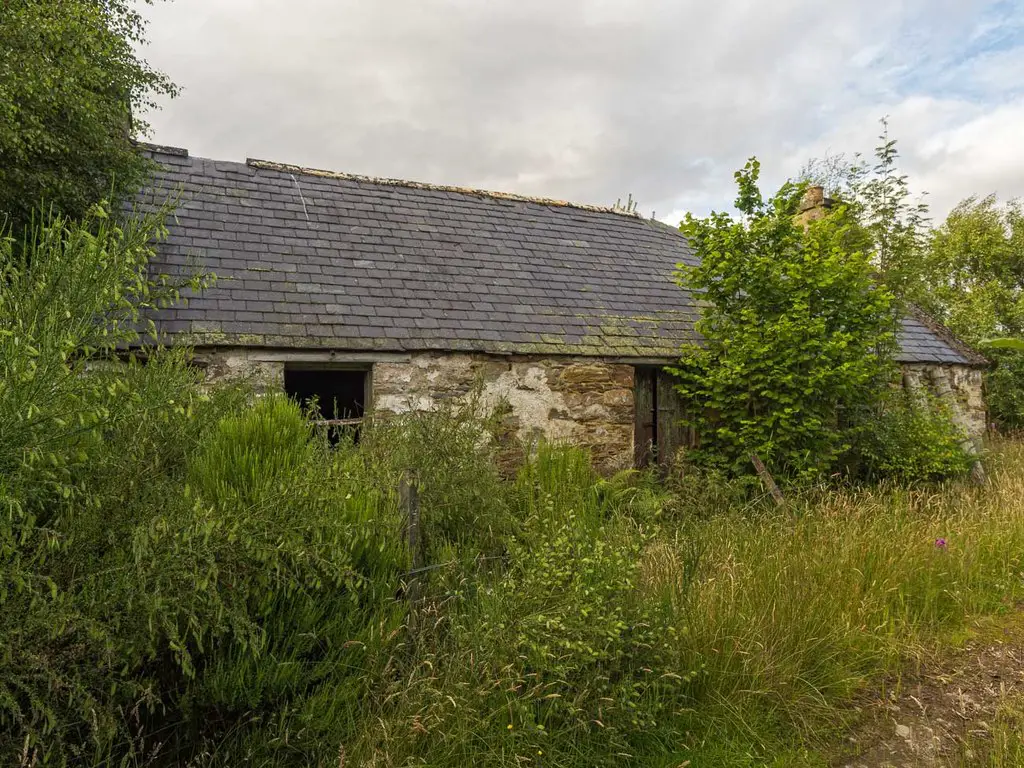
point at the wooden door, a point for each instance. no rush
(645, 432)
(671, 433)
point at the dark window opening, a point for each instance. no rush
(339, 394)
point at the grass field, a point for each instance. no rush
(214, 588)
(771, 619)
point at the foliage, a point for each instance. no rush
(967, 272)
(550, 657)
(910, 437)
(451, 452)
(1016, 345)
(976, 281)
(802, 608)
(194, 577)
(74, 295)
(70, 80)
(878, 197)
(164, 561)
(225, 582)
(976, 269)
(795, 330)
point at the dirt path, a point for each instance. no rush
(947, 715)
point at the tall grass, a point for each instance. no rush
(788, 613)
(221, 586)
(748, 629)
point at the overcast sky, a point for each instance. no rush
(589, 100)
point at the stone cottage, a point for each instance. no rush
(384, 295)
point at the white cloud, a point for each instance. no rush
(593, 99)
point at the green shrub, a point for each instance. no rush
(451, 453)
(547, 657)
(299, 559)
(794, 328)
(86, 447)
(911, 438)
(1004, 389)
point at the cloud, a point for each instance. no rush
(592, 99)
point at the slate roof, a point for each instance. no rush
(311, 259)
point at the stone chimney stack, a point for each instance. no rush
(813, 206)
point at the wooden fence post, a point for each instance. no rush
(766, 478)
(408, 493)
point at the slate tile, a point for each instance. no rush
(422, 268)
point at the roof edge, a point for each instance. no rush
(974, 357)
(384, 181)
(162, 149)
(218, 339)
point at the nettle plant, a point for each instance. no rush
(797, 335)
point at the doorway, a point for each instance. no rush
(658, 431)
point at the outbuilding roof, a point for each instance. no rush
(313, 259)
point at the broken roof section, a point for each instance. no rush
(314, 259)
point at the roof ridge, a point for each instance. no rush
(288, 168)
(940, 329)
(161, 149)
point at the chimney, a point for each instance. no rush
(813, 206)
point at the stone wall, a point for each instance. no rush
(960, 386)
(242, 364)
(587, 402)
(582, 401)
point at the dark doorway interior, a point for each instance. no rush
(339, 393)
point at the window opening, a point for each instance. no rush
(340, 395)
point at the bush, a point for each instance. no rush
(550, 657)
(910, 438)
(174, 564)
(452, 454)
(794, 328)
(296, 560)
(1004, 389)
(84, 446)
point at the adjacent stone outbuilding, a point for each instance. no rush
(387, 295)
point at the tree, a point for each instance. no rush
(967, 273)
(796, 332)
(975, 269)
(71, 88)
(974, 277)
(879, 198)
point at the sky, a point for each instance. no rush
(593, 100)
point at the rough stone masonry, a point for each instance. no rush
(557, 314)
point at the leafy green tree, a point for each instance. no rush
(975, 280)
(968, 272)
(975, 269)
(71, 88)
(796, 330)
(878, 196)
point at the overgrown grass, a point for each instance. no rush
(731, 638)
(1003, 745)
(789, 613)
(229, 589)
